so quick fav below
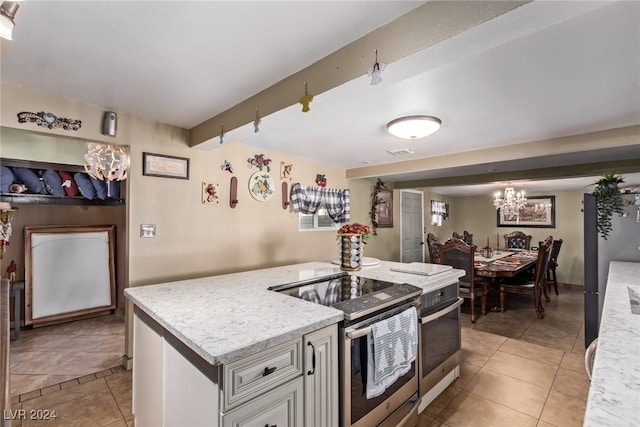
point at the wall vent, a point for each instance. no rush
(400, 152)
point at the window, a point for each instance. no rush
(318, 221)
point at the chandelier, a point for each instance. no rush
(511, 203)
(106, 162)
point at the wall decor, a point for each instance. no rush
(285, 196)
(165, 166)
(226, 166)
(375, 201)
(261, 186)
(538, 212)
(259, 161)
(233, 192)
(384, 209)
(210, 194)
(285, 171)
(321, 180)
(49, 120)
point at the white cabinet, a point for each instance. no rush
(292, 384)
(281, 407)
(321, 377)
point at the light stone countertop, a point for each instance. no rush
(614, 394)
(226, 317)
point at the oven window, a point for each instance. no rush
(440, 339)
(360, 405)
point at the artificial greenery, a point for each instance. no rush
(609, 201)
(375, 201)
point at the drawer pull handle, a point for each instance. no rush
(269, 371)
(273, 425)
(313, 359)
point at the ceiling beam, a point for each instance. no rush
(428, 24)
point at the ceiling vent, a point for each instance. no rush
(400, 152)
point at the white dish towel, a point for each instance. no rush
(393, 346)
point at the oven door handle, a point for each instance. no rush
(439, 314)
(358, 333)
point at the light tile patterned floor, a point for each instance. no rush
(517, 370)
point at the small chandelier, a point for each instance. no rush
(414, 127)
(8, 11)
(106, 162)
(511, 204)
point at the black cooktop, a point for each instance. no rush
(355, 296)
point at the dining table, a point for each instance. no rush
(504, 263)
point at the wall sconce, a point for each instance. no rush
(8, 11)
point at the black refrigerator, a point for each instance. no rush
(623, 244)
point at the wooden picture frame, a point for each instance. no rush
(538, 212)
(85, 284)
(384, 209)
(165, 166)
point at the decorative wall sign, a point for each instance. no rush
(49, 120)
(538, 212)
(261, 186)
(259, 161)
(165, 166)
(285, 171)
(226, 166)
(210, 194)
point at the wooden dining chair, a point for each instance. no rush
(466, 236)
(458, 254)
(525, 284)
(433, 245)
(552, 279)
(517, 240)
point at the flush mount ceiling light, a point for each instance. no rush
(414, 127)
(8, 11)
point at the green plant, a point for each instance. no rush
(609, 201)
(375, 201)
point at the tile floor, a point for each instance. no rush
(50, 355)
(517, 370)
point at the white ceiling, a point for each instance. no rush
(544, 70)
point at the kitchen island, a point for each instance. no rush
(198, 333)
(614, 394)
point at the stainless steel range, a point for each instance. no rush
(365, 302)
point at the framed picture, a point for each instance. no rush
(384, 210)
(165, 166)
(539, 211)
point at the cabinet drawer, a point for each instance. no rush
(253, 375)
(282, 407)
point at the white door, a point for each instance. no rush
(411, 226)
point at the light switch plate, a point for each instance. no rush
(147, 231)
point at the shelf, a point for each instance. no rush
(46, 199)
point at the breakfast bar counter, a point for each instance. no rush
(614, 394)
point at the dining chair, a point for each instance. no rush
(458, 254)
(552, 279)
(525, 284)
(517, 240)
(466, 236)
(432, 245)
